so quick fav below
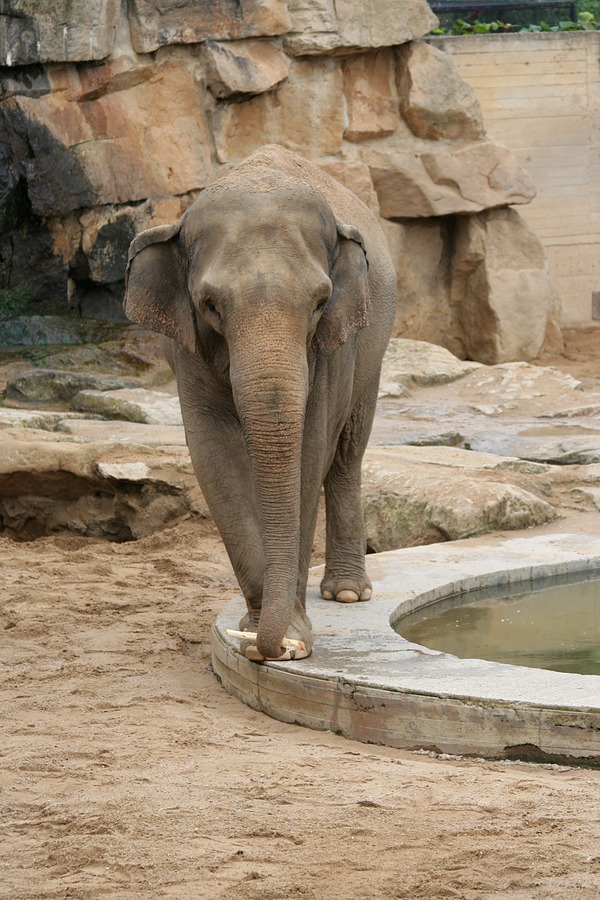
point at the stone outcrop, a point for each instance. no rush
(39, 31)
(437, 468)
(113, 117)
(506, 297)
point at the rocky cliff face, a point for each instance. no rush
(114, 115)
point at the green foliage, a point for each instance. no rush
(592, 6)
(15, 301)
(587, 20)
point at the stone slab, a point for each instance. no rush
(368, 683)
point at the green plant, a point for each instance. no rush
(15, 301)
(587, 20)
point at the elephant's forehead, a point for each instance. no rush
(236, 211)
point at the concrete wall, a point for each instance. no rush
(540, 97)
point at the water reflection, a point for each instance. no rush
(549, 626)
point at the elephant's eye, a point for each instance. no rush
(321, 305)
(210, 306)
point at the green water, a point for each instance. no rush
(548, 626)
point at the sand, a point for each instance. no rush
(127, 772)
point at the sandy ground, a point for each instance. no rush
(127, 772)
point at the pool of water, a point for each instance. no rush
(543, 624)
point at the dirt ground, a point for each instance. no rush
(127, 772)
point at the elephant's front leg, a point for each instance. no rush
(345, 578)
(222, 467)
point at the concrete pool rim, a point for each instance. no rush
(368, 683)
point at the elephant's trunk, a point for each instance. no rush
(270, 387)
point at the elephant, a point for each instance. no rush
(276, 295)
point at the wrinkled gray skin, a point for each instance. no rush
(278, 293)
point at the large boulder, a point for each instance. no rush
(509, 306)
(421, 496)
(150, 140)
(155, 23)
(35, 32)
(339, 26)
(432, 179)
(478, 285)
(236, 68)
(435, 101)
(305, 115)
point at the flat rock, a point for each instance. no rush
(409, 501)
(155, 23)
(135, 405)
(408, 363)
(568, 450)
(320, 26)
(435, 180)
(34, 418)
(35, 331)
(52, 385)
(52, 486)
(517, 387)
(121, 432)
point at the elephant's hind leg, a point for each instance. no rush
(345, 578)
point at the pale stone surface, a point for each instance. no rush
(130, 471)
(40, 420)
(244, 67)
(155, 23)
(408, 363)
(434, 100)
(416, 493)
(371, 96)
(509, 306)
(117, 431)
(330, 26)
(304, 115)
(563, 451)
(35, 32)
(439, 181)
(136, 405)
(51, 385)
(408, 502)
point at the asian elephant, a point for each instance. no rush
(277, 291)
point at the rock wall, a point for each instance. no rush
(115, 115)
(540, 96)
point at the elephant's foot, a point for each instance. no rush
(299, 629)
(346, 588)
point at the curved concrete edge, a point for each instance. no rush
(367, 683)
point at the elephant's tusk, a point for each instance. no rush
(252, 636)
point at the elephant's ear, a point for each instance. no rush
(156, 293)
(346, 309)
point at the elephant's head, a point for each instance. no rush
(258, 279)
